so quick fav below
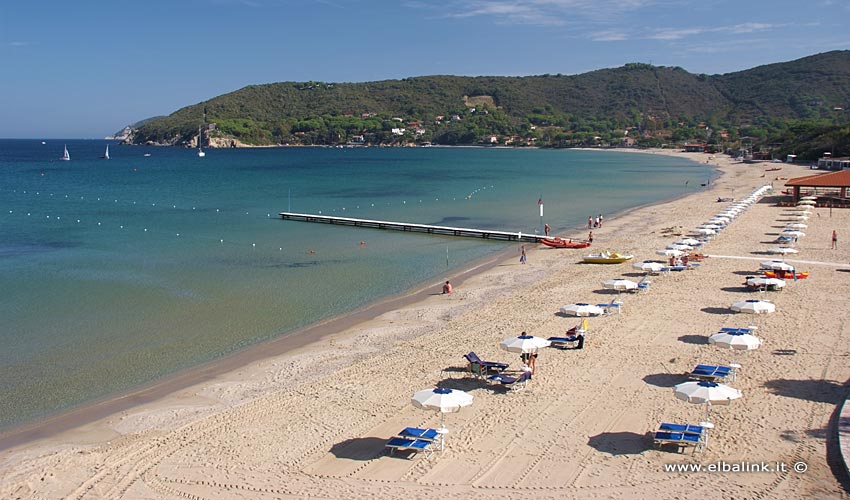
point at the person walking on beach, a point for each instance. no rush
(589, 222)
(834, 240)
(600, 219)
(546, 229)
(522, 257)
(590, 237)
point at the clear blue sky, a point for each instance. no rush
(85, 68)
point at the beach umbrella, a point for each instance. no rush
(524, 344)
(679, 246)
(442, 400)
(783, 250)
(799, 217)
(803, 208)
(776, 265)
(582, 309)
(754, 306)
(705, 230)
(649, 266)
(688, 241)
(806, 202)
(796, 225)
(620, 284)
(702, 392)
(739, 341)
(812, 198)
(670, 252)
(766, 282)
(794, 233)
(710, 226)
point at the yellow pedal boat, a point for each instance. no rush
(606, 258)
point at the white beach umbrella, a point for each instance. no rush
(649, 266)
(799, 217)
(738, 341)
(620, 284)
(442, 400)
(796, 225)
(710, 226)
(524, 344)
(754, 306)
(766, 282)
(775, 265)
(582, 309)
(806, 202)
(702, 392)
(782, 250)
(793, 232)
(803, 208)
(705, 230)
(679, 246)
(670, 252)
(688, 241)
(812, 198)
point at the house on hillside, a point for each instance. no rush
(627, 142)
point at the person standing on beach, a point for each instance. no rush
(834, 240)
(590, 237)
(546, 229)
(589, 222)
(522, 257)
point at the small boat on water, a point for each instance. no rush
(106, 154)
(66, 156)
(562, 243)
(606, 257)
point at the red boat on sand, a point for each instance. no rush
(562, 243)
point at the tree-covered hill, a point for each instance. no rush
(649, 104)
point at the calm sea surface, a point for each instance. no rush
(114, 273)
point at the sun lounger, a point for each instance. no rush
(643, 286)
(417, 433)
(683, 428)
(711, 373)
(682, 440)
(575, 341)
(611, 307)
(738, 330)
(511, 383)
(483, 368)
(414, 445)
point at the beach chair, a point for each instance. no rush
(684, 428)
(405, 444)
(481, 368)
(417, 433)
(570, 341)
(749, 330)
(611, 307)
(711, 373)
(643, 286)
(510, 383)
(682, 440)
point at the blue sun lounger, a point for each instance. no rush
(511, 383)
(738, 330)
(683, 428)
(711, 373)
(576, 341)
(414, 445)
(417, 433)
(682, 440)
(482, 368)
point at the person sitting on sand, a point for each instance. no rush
(447, 288)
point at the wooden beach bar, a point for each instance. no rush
(411, 227)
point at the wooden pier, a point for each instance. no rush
(413, 228)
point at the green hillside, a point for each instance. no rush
(650, 104)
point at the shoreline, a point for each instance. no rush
(285, 343)
(490, 302)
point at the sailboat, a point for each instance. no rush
(66, 156)
(106, 155)
(200, 142)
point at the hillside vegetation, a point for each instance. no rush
(648, 104)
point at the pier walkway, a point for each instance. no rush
(411, 227)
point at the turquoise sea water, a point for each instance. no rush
(114, 273)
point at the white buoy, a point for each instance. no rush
(254, 245)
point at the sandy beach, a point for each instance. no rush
(313, 422)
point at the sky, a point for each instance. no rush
(87, 68)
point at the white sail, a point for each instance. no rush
(106, 155)
(66, 156)
(200, 142)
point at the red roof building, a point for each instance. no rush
(822, 184)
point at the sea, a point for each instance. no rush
(115, 273)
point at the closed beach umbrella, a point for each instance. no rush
(796, 225)
(760, 282)
(738, 341)
(703, 392)
(442, 400)
(783, 250)
(524, 344)
(649, 266)
(582, 309)
(776, 265)
(670, 252)
(620, 284)
(754, 306)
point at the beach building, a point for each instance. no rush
(829, 163)
(830, 187)
(694, 148)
